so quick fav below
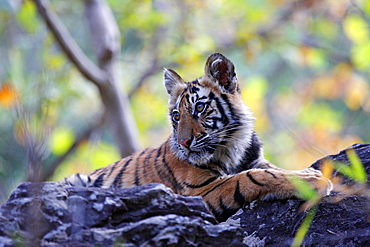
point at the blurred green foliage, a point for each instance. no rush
(355, 170)
(303, 67)
(304, 227)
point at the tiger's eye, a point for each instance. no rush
(175, 116)
(200, 107)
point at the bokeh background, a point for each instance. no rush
(304, 68)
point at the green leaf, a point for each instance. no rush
(27, 16)
(366, 7)
(358, 170)
(356, 29)
(344, 169)
(61, 140)
(355, 170)
(360, 55)
(303, 229)
(304, 189)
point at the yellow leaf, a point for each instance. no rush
(327, 168)
(356, 29)
(360, 56)
(61, 140)
(27, 16)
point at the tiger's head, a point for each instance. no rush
(211, 123)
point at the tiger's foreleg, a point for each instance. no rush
(227, 194)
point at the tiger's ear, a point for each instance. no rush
(221, 71)
(173, 82)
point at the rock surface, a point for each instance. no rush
(48, 214)
(346, 223)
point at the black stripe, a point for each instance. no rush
(137, 180)
(223, 206)
(183, 92)
(271, 173)
(231, 107)
(226, 211)
(156, 167)
(82, 181)
(213, 210)
(253, 180)
(187, 98)
(218, 185)
(220, 164)
(222, 111)
(196, 82)
(215, 120)
(206, 167)
(211, 95)
(236, 119)
(97, 171)
(194, 89)
(251, 154)
(238, 197)
(207, 126)
(209, 113)
(113, 168)
(211, 148)
(205, 183)
(171, 176)
(146, 162)
(118, 179)
(158, 154)
(99, 181)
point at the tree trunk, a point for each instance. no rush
(106, 42)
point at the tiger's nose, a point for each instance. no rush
(185, 143)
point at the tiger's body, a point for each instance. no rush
(213, 151)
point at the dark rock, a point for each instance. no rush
(346, 223)
(275, 223)
(363, 152)
(49, 214)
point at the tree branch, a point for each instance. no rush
(69, 46)
(104, 32)
(105, 35)
(106, 41)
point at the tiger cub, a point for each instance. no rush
(212, 152)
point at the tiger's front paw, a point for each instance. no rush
(315, 178)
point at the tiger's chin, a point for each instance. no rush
(197, 159)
